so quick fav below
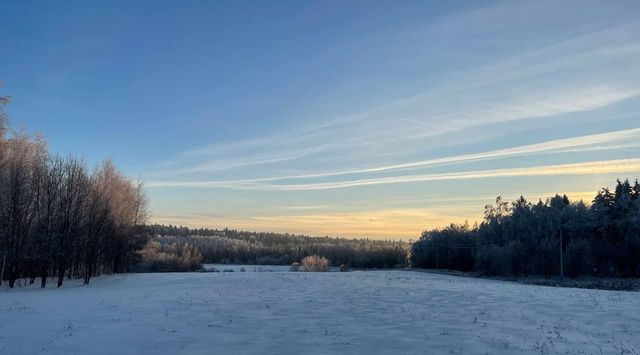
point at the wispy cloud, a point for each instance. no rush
(602, 141)
(395, 220)
(257, 159)
(597, 167)
(400, 223)
(380, 127)
(523, 87)
(303, 207)
(445, 103)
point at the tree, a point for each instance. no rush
(57, 219)
(4, 100)
(545, 238)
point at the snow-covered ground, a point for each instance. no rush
(252, 268)
(372, 312)
(246, 268)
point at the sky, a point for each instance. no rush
(353, 118)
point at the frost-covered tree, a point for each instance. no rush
(56, 219)
(552, 237)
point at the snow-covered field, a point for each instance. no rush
(252, 268)
(373, 312)
(246, 268)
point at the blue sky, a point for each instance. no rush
(355, 118)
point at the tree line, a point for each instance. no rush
(552, 237)
(238, 247)
(58, 219)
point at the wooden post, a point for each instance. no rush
(561, 261)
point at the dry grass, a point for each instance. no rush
(315, 263)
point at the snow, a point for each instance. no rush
(246, 268)
(253, 268)
(362, 312)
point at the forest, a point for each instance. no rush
(238, 247)
(60, 219)
(555, 237)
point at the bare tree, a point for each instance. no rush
(17, 205)
(73, 199)
(58, 220)
(48, 176)
(4, 100)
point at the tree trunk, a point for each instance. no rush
(87, 275)
(4, 261)
(60, 275)
(12, 280)
(43, 276)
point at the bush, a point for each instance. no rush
(295, 267)
(173, 257)
(315, 263)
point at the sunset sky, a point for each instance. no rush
(348, 118)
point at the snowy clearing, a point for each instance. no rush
(246, 268)
(253, 268)
(372, 312)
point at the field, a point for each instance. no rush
(361, 312)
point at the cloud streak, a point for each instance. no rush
(443, 104)
(588, 168)
(601, 141)
(385, 223)
(574, 144)
(545, 82)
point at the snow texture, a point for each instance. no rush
(362, 312)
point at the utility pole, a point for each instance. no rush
(561, 261)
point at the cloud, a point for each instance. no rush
(361, 220)
(601, 141)
(401, 223)
(542, 79)
(589, 168)
(457, 98)
(303, 207)
(609, 140)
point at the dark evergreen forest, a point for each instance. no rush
(547, 238)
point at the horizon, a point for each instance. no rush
(377, 121)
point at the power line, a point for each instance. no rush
(489, 243)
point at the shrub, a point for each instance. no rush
(173, 257)
(295, 267)
(315, 263)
